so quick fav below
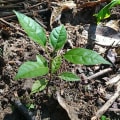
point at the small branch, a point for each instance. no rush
(113, 80)
(114, 109)
(40, 23)
(28, 13)
(10, 1)
(117, 84)
(38, 4)
(99, 73)
(13, 26)
(9, 7)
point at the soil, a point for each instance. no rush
(85, 96)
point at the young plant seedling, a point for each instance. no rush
(57, 40)
(105, 11)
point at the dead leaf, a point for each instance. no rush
(58, 8)
(87, 3)
(112, 55)
(103, 35)
(70, 111)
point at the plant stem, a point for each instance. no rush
(46, 50)
(50, 74)
(51, 56)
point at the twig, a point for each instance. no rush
(5, 13)
(9, 7)
(28, 13)
(114, 109)
(40, 23)
(10, 1)
(38, 4)
(8, 14)
(11, 25)
(99, 73)
(113, 80)
(117, 84)
(105, 107)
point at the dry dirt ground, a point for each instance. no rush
(86, 96)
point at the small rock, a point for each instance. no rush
(2, 85)
(28, 84)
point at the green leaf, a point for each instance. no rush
(69, 76)
(32, 69)
(103, 117)
(58, 37)
(41, 60)
(84, 56)
(56, 64)
(105, 12)
(32, 28)
(30, 106)
(39, 85)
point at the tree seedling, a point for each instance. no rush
(56, 40)
(105, 11)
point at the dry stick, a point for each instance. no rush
(9, 14)
(38, 4)
(28, 13)
(40, 23)
(99, 73)
(105, 107)
(13, 26)
(114, 109)
(113, 80)
(10, 1)
(9, 7)
(117, 84)
(5, 13)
